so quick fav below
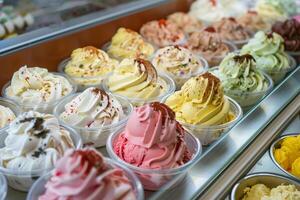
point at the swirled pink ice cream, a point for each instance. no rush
(152, 139)
(162, 33)
(83, 174)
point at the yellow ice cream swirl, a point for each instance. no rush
(201, 101)
(127, 43)
(288, 155)
(136, 78)
(89, 62)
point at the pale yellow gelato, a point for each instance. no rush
(262, 192)
(288, 155)
(136, 78)
(127, 43)
(88, 65)
(201, 101)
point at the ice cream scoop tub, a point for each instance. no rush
(208, 134)
(277, 144)
(154, 179)
(38, 188)
(12, 106)
(271, 180)
(278, 75)
(95, 137)
(23, 180)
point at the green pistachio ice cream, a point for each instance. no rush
(268, 51)
(241, 79)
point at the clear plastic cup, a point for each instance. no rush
(23, 180)
(215, 61)
(209, 134)
(139, 101)
(246, 99)
(38, 187)
(180, 80)
(45, 107)
(3, 187)
(154, 179)
(12, 106)
(82, 83)
(95, 136)
(295, 55)
(270, 180)
(277, 144)
(278, 75)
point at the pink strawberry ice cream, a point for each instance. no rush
(152, 139)
(83, 174)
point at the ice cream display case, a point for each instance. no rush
(243, 140)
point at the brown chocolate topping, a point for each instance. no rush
(210, 29)
(232, 19)
(38, 126)
(242, 58)
(149, 68)
(210, 77)
(164, 109)
(162, 22)
(269, 35)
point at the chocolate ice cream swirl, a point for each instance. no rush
(290, 31)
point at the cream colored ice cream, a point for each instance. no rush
(93, 108)
(35, 86)
(6, 116)
(271, 11)
(201, 101)
(253, 21)
(89, 65)
(185, 22)
(288, 155)
(127, 43)
(136, 78)
(179, 63)
(262, 192)
(34, 142)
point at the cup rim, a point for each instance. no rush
(293, 53)
(4, 184)
(271, 153)
(220, 126)
(134, 181)
(41, 105)
(61, 69)
(176, 170)
(16, 110)
(38, 172)
(165, 77)
(267, 77)
(108, 126)
(235, 187)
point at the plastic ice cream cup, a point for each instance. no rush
(217, 59)
(247, 99)
(179, 81)
(295, 55)
(270, 180)
(3, 187)
(96, 136)
(38, 187)
(23, 180)
(275, 145)
(45, 107)
(12, 106)
(209, 134)
(154, 179)
(82, 82)
(278, 75)
(139, 101)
